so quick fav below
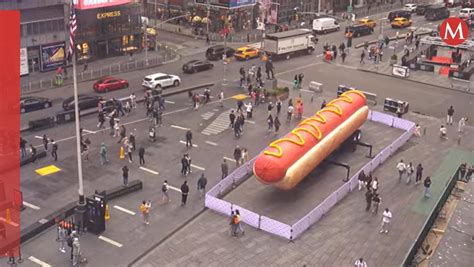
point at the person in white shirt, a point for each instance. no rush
(410, 171)
(401, 167)
(360, 263)
(249, 109)
(461, 124)
(133, 100)
(443, 132)
(221, 98)
(417, 131)
(386, 218)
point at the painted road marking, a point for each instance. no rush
(170, 102)
(300, 68)
(124, 210)
(14, 224)
(179, 127)
(174, 188)
(198, 167)
(39, 137)
(110, 241)
(220, 124)
(211, 143)
(183, 142)
(206, 133)
(148, 170)
(307, 91)
(47, 170)
(230, 159)
(29, 205)
(38, 261)
(251, 122)
(89, 131)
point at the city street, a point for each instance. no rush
(190, 235)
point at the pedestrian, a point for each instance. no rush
(238, 226)
(184, 165)
(221, 98)
(45, 142)
(33, 152)
(232, 118)
(245, 155)
(62, 238)
(449, 119)
(270, 123)
(343, 56)
(240, 103)
(277, 124)
(54, 150)
(184, 193)
(189, 137)
(417, 131)
(85, 66)
(232, 224)
(125, 175)
(360, 263)
(376, 200)
(141, 155)
(323, 104)
(76, 248)
(368, 181)
(249, 109)
(224, 169)
(129, 153)
(290, 113)
(188, 163)
(386, 218)
(443, 133)
(278, 106)
(362, 57)
(401, 167)
(427, 185)
(374, 185)
(368, 198)
(361, 179)
(201, 185)
(342, 47)
(85, 151)
(145, 210)
(269, 69)
(123, 133)
(461, 125)
(23, 147)
(300, 80)
(237, 155)
(164, 190)
(132, 142)
(133, 100)
(101, 119)
(419, 173)
(410, 171)
(103, 154)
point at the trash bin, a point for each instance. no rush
(65, 116)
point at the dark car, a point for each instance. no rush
(32, 103)
(467, 4)
(197, 65)
(85, 102)
(359, 30)
(109, 84)
(420, 9)
(436, 13)
(399, 13)
(216, 52)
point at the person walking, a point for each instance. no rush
(141, 155)
(133, 101)
(224, 169)
(103, 154)
(130, 153)
(449, 118)
(277, 124)
(62, 238)
(376, 200)
(221, 98)
(343, 57)
(362, 57)
(270, 123)
(101, 119)
(461, 125)
(145, 210)
(237, 155)
(374, 185)
(360, 263)
(184, 193)
(238, 226)
(368, 199)
(54, 150)
(125, 175)
(289, 113)
(76, 248)
(419, 173)
(245, 155)
(188, 163)
(132, 141)
(85, 151)
(23, 147)
(232, 118)
(123, 133)
(249, 109)
(410, 171)
(201, 185)
(45, 142)
(189, 138)
(386, 218)
(232, 224)
(361, 179)
(184, 165)
(401, 167)
(427, 185)
(164, 190)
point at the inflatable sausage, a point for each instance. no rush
(288, 160)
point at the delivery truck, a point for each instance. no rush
(289, 43)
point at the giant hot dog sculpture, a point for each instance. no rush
(288, 160)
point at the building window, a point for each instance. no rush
(55, 25)
(42, 27)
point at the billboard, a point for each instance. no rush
(53, 56)
(90, 4)
(23, 61)
(227, 3)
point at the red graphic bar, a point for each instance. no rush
(9, 133)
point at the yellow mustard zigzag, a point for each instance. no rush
(332, 106)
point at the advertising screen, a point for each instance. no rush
(90, 4)
(227, 3)
(53, 56)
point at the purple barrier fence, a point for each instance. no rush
(275, 227)
(218, 205)
(249, 217)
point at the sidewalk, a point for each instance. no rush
(38, 81)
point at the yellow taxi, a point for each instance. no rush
(401, 22)
(368, 22)
(246, 52)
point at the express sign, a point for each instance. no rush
(454, 31)
(90, 4)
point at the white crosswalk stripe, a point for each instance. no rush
(220, 124)
(207, 115)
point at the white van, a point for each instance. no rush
(466, 12)
(325, 25)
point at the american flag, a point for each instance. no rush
(72, 30)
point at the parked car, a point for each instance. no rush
(84, 101)
(401, 23)
(420, 9)
(161, 80)
(436, 13)
(109, 84)
(466, 12)
(399, 13)
(197, 65)
(367, 22)
(246, 52)
(452, 3)
(216, 52)
(325, 25)
(359, 30)
(32, 103)
(410, 7)
(467, 3)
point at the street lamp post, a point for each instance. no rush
(208, 15)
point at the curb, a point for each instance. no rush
(415, 81)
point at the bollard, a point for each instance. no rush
(122, 153)
(107, 212)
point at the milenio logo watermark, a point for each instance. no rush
(454, 31)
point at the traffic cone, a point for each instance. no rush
(122, 153)
(8, 216)
(107, 213)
